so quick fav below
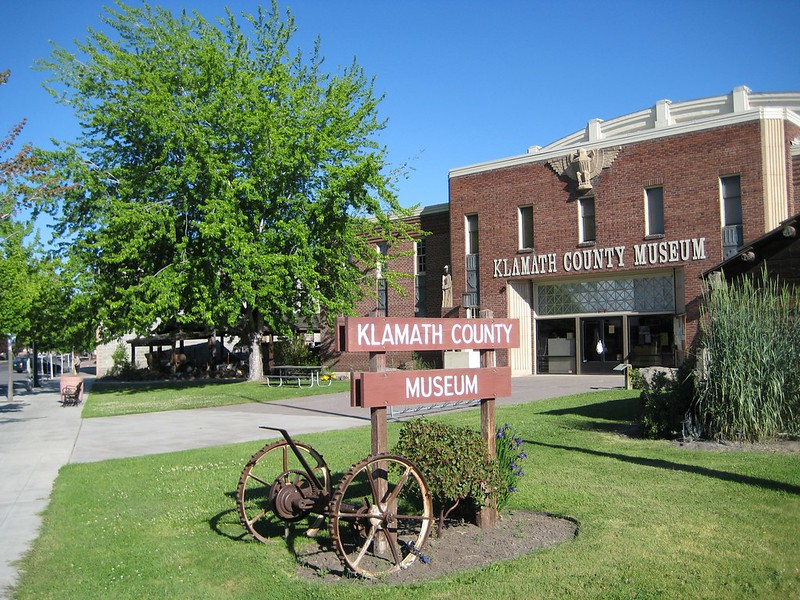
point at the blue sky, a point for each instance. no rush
(466, 82)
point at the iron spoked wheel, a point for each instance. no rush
(380, 515)
(274, 488)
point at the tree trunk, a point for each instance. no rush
(256, 361)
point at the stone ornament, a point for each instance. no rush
(447, 288)
(584, 165)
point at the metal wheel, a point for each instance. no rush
(380, 515)
(275, 488)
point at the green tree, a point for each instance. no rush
(27, 181)
(223, 179)
(58, 319)
(16, 290)
(15, 295)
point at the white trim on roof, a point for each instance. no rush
(664, 119)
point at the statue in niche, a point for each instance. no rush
(447, 288)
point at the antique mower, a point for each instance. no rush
(379, 515)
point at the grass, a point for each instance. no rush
(656, 520)
(109, 399)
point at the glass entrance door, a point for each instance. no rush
(601, 344)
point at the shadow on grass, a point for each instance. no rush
(657, 463)
(626, 409)
(137, 387)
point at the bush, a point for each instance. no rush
(294, 351)
(121, 364)
(749, 383)
(455, 463)
(667, 402)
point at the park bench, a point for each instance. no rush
(71, 390)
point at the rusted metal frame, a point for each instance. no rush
(317, 483)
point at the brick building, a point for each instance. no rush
(420, 294)
(597, 241)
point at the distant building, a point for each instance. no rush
(597, 241)
(420, 293)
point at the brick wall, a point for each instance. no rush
(688, 167)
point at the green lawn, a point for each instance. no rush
(655, 520)
(108, 399)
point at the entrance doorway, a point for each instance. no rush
(601, 344)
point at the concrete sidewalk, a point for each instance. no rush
(38, 436)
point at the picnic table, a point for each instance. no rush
(300, 374)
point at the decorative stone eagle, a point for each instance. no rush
(583, 165)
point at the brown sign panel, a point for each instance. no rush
(393, 388)
(387, 334)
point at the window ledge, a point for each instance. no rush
(525, 251)
(587, 244)
(654, 236)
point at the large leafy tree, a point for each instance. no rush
(222, 178)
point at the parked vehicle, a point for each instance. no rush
(21, 364)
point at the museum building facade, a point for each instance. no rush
(597, 241)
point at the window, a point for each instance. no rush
(732, 228)
(526, 228)
(421, 257)
(731, 200)
(472, 234)
(654, 211)
(382, 286)
(420, 280)
(586, 212)
(471, 298)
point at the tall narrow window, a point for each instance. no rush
(471, 299)
(586, 211)
(731, 200)
(420, 280)
(472, 234)
(732, 228)
(526, 228)
(382, 286)
(654, 213)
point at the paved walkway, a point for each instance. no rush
(38, 436)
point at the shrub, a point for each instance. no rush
(667, 401)
(749, 383)
(510, 455)
(121, 365)
(454, 461)
(294, 351)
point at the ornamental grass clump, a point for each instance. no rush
(510, 455)
(455, 462)
(749, 384)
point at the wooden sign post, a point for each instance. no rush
(379, 389)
